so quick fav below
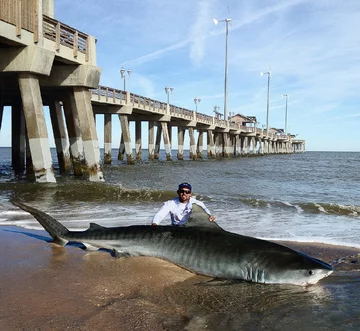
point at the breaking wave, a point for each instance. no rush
(306, 207)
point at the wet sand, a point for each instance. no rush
(46, 287)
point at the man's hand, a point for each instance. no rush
(212, 218)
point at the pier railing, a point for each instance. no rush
(62, 34)
(22, 14)
(119, 97)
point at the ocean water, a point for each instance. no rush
(306, 197)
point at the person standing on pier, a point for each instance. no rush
(180, 207)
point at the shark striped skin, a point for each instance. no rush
(201, 246)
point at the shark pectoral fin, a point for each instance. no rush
(60, 241)
(117, 254)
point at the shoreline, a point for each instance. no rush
(47, 287)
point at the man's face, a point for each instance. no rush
(184, 194)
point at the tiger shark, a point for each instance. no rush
(201, 247)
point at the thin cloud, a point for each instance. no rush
(199, 33)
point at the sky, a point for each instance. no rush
(312, 49)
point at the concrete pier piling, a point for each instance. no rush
(125, 129)
(88, 132)
(181, 134)
(74, 134)
(138, 140)
(192, 143)
(60, 137)
(121, 149)
(107, 138)
(36, 128)
(151, 147)
(157, 142)
(18, 139)
(167, 142)
(199, 146)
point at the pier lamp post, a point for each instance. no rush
(168, 90)
(227, 20)
(286, 107)
(216, 111)
(268, 98)
(123, 76)
(197, 100)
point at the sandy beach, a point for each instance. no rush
(46, 287)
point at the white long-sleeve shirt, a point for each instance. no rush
(179, 212)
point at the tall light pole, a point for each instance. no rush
(227, 20)
(123, 76)
(268, 99)
(286, 105)
(168, 90)
(197, 100)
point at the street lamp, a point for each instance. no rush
(168, 90)
(286, 106)
(123, 76)
(197, 100)
(268, 98)
(227, 20)
(216, 111)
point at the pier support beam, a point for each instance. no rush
(253, 145)
(247, 146)
(36, 128)
(238, 145)
(242, 144)
(151, 141)
(61, 141)
(18, 139)
(210, 144)
(167, 142)
(73, 127)
(157, 142)
(121, 148)
(29, 165)
(88, 132)
(192, 144)
(1, 112)
(181, 133)
(261, 148)
(138, 139)
(226, 144)
(125, 129)
(107, 138)
(217, 144)
(200, 142)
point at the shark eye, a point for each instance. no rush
(310, 273)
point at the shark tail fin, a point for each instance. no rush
(51, 225)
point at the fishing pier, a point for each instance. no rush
(45, 62)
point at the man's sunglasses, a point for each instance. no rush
(184, 191)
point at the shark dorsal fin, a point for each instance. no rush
(200, 219)
(94, 226)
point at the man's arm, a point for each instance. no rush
(160, 215)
